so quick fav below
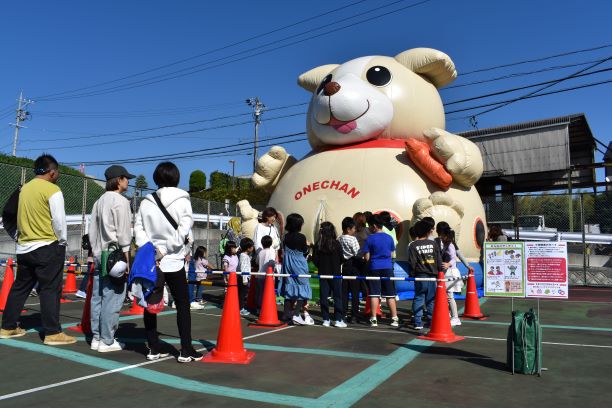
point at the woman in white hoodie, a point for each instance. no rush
(172, 245)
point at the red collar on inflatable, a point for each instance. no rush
(376, 143)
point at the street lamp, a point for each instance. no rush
(233, 174)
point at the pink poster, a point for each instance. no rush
(547, 275)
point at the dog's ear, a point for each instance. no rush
(310, 80)
(432, 64)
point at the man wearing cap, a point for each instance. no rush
(110, 223)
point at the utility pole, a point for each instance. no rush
(233, 174)
(258, 109)
(22, 115)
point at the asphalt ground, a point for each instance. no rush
(322, 367)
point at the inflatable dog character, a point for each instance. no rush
(376, 127)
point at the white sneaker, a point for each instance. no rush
(244, 312)
(194, 306)
(81, 294)
(326, 323)
(116, 346)
(455, 321)
(373, 322)
(95, 343)
(308, 320)
(173, 305)
(298, 321)
(394, 322)
(339, 324)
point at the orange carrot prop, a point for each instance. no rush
(420, 155)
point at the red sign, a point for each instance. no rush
(546, 270)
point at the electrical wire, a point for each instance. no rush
(209, 51)
(164, 77)
(512, 64)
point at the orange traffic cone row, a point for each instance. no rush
(268, 317)
(251, 302)
(85, 325)
(440, 326)
(70, 284)
(230, 348)
(472, 306)
(7, 283)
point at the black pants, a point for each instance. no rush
(333, 286)
(44, 265)
(350, 286)
(292, 308)
(178, 288)
(243, 290)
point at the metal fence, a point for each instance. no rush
(80, 193)
(584, 219)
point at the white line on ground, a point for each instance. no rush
(544, 342)
(116, 370)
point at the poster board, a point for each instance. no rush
(504, 269)
(547, 275)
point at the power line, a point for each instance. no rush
(188, 153)
(160, 127)
(528, 97)
(536, 59)
(519, 74)
(551, 84)
(164, 77)
(209, 51)
(159, 136)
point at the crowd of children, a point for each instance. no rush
(365, 247)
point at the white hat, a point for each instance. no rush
(118, 269)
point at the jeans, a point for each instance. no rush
(350, 286)
(333, 286)
(106, 302)
(44, 265)
(424, 294)
(178, 289)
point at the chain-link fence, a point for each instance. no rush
(582, 219)
(80, 193)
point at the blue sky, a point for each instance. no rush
(52, 47)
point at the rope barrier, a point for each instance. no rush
(351, 277)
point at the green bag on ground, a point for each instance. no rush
(526, 336)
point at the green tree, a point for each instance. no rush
(141, 182)
(197, 181)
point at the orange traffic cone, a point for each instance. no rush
(472, 306)
(268, 317)
(230, 348)
(368, 309)
(251, 303)
(440, 326)
(135, 310)
(85, 325)
(7, 283)
(70, 284)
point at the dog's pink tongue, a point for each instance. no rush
(343, 127)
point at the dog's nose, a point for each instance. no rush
(331, 88)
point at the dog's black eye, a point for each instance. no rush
(325, 81)
(378, 76)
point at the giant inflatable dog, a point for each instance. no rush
(376, 127)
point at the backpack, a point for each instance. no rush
(524, 347)
(9, 214)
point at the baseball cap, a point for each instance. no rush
(117, 171)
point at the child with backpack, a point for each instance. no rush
(350, 267)
(200, 266)
(247, 246)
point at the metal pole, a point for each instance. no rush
(17, 121)
(208, 226)
(258, 108)
(233, 174)
(570, 202)
(584, 245)
(83, 213)
(516, 218)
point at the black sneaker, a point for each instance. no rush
(187, 356)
